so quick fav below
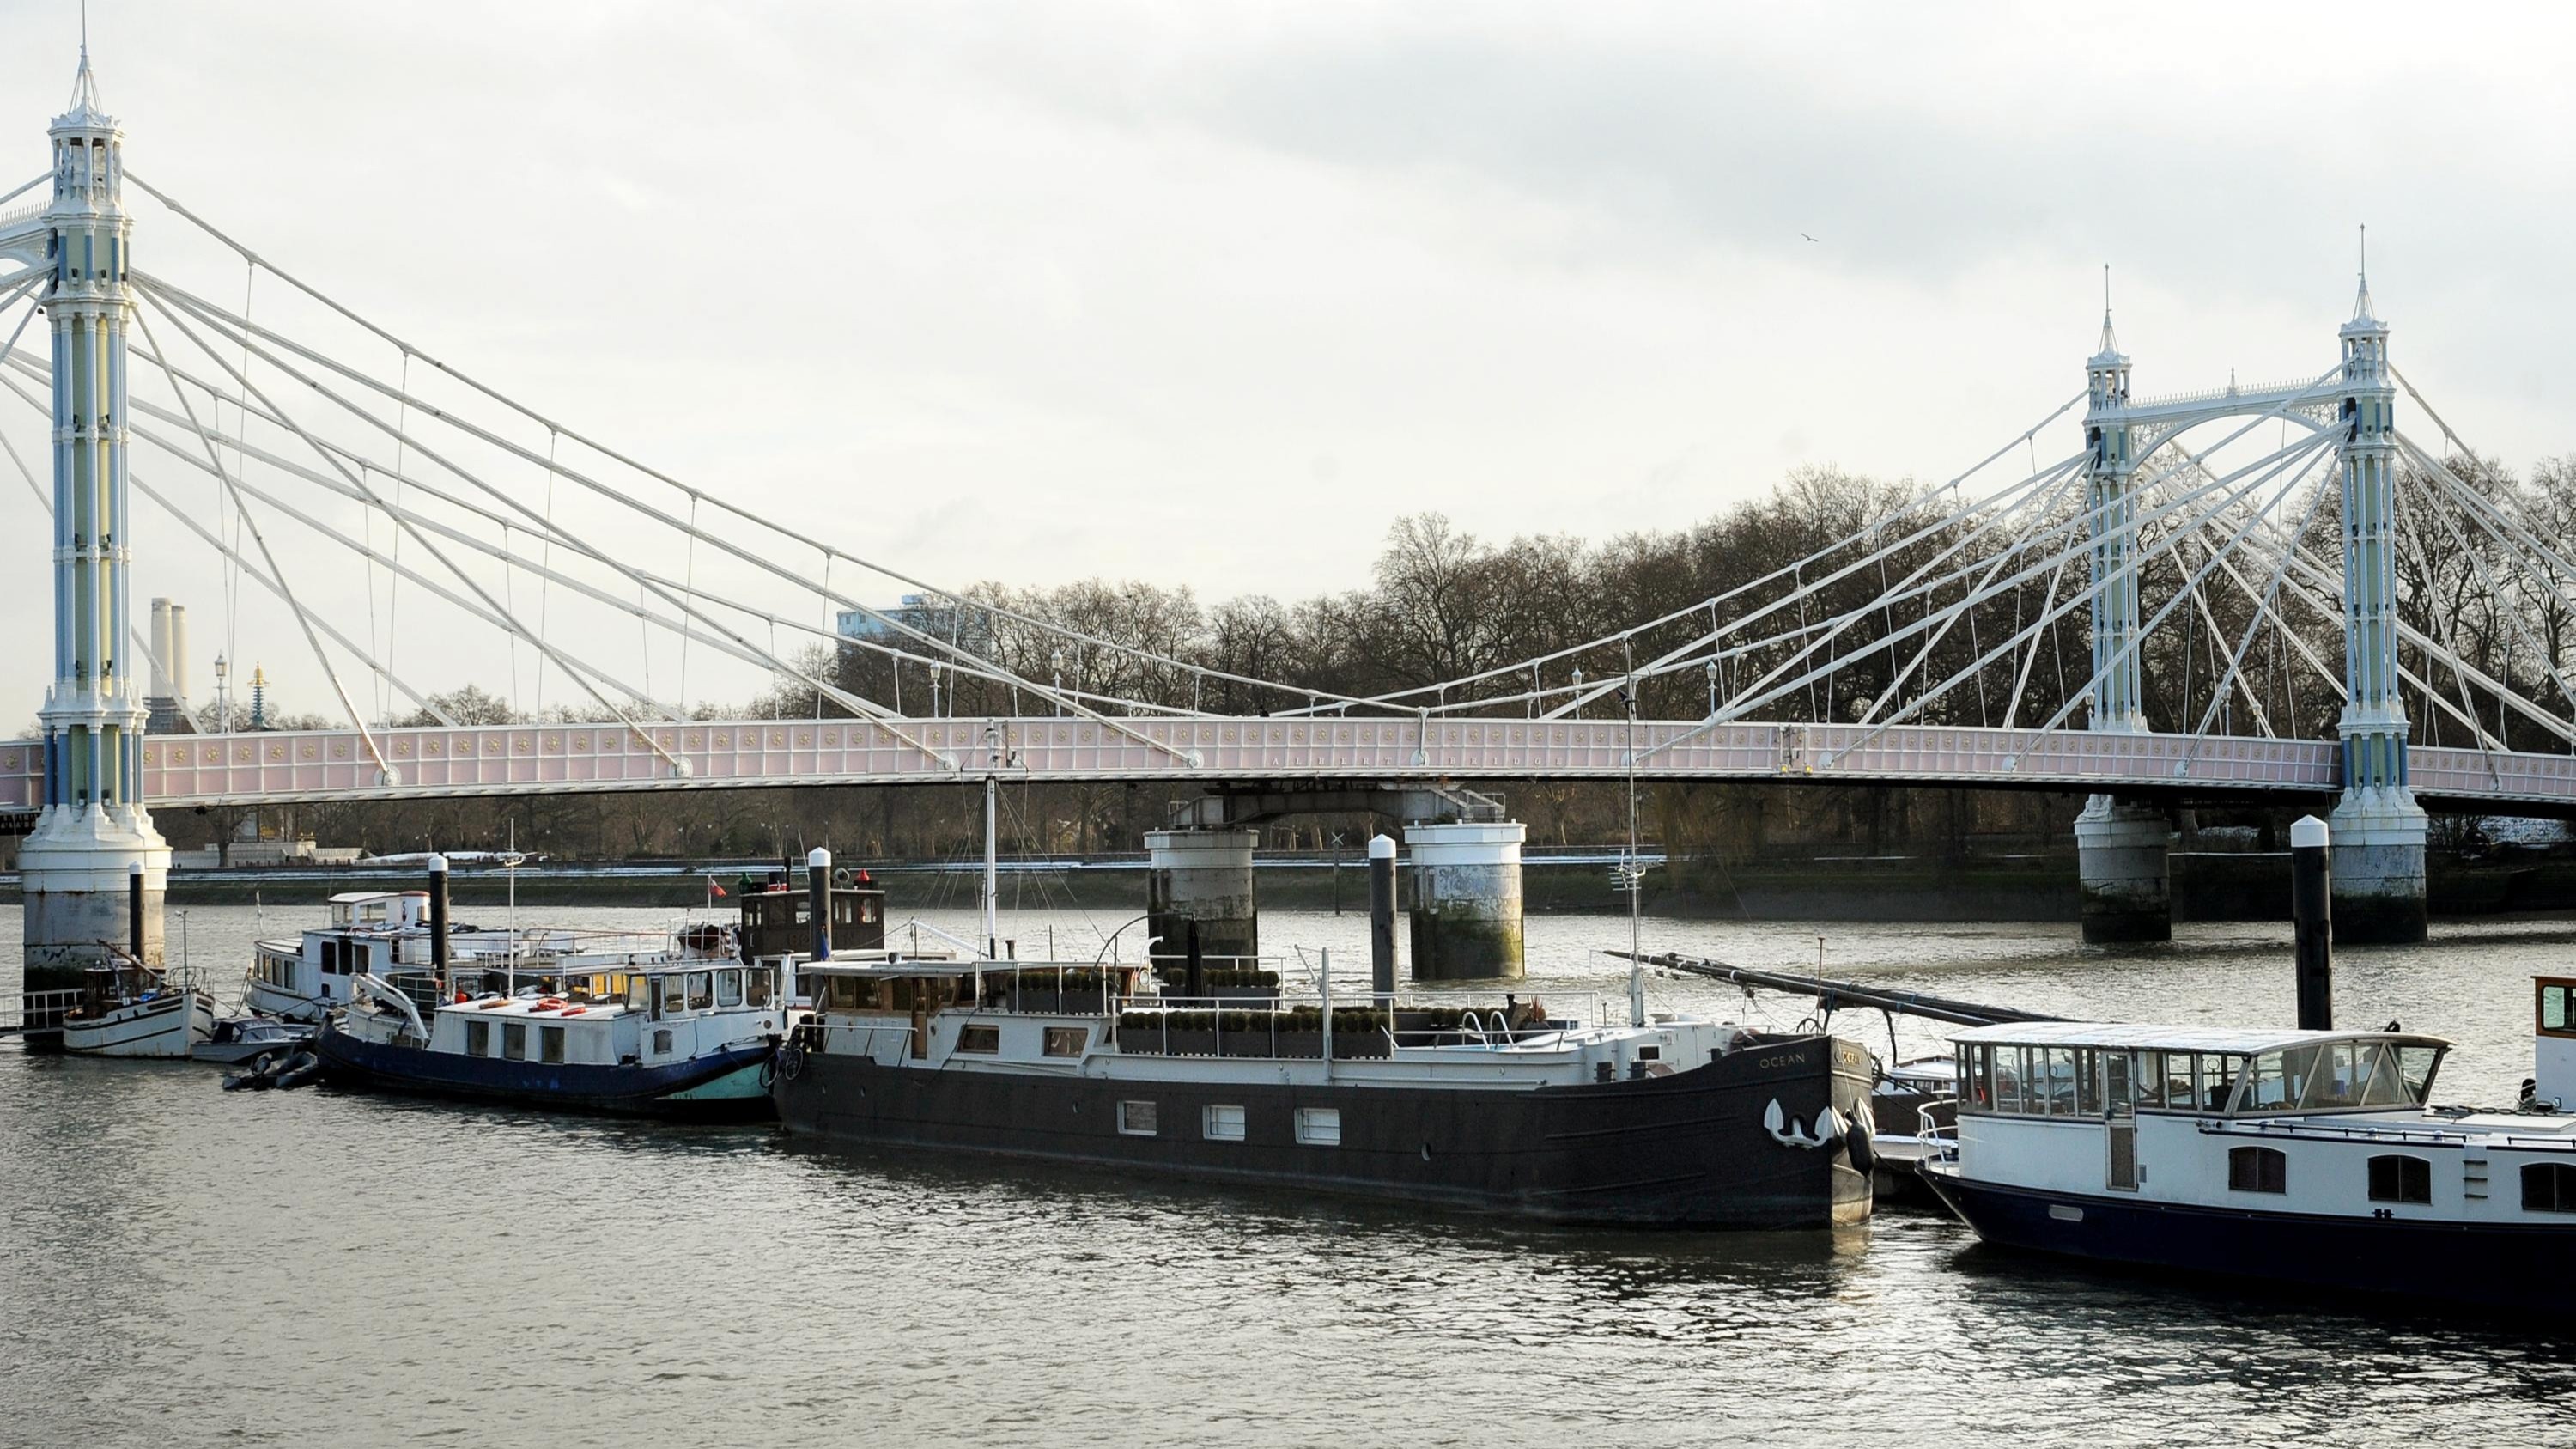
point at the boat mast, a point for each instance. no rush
(1629, 874)
(992, 883)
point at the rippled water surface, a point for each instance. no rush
(182, 1266)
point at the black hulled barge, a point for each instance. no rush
(1676, 1121)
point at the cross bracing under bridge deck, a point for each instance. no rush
(276, 768)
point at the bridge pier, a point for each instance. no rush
(73, 875)
(1202, 875)
(1466, 917)
(2122, 849)
(2378, 878)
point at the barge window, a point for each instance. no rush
(984, 1039)
(2088, 1089)
(2381, 1085)
(729, 988)
(2182, 1080)
(2010, 1064)
(550, 1043)
(478, 1038)
(1319, 1126)
(2257, 1169)
(755, 986)
(1067, 1041)
(701, 991)
(1136, 1119)
(1221, 1124)
(514, 1041)
(674, 997)
(2549, 1187)
(2343, 1075)
(2396, 1177)
(2116, 1077)
(2553, 1009)
(639, 992)
(2277, 1076)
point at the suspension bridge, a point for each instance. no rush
(2251, 528)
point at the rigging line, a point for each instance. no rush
(1821, 633)
(1801, 588)
(241, 438)
(2217, 635)
(689, 576)
(546, 556)
(458, 536)
(1914, 505)
(45, 501)
(2254, 622)
(151, 296)
(216, 316)
(2067, 703)
(2147, 629)
(2512, 617)
(1967, 606)
(384, 769)
(16, 192)
(2326, 600)
(2477, 732)
(2012, 704)
(510, 600)
(2271, 462)
(165, 297)
(757, 520)
(393, 605)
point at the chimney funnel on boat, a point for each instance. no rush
(2312, 905)
(438, 919)
(1382, 917)
(818, 891)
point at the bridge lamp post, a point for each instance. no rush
(1712, 689)
(1578, 692)
(1055, 678)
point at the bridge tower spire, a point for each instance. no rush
(2378, 828)
(2122, 847)
(93, 828)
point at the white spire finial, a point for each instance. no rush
(85, 83)
(2110, 344)
(2361, 302)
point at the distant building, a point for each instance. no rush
(964, 625)
(166, 704)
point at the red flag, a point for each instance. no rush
(711, 885)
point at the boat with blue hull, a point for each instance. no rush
(686, 1032)
(2310, 1157)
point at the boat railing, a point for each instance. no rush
(2432, 1136)
(36, 1010)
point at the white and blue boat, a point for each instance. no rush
(2302, 1156)
(685, 1031)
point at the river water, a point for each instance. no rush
(181, 1265)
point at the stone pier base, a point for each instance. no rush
(1466, 886)
(1203, 876)
(2121, 850)
(2378, 867)
(72, 874)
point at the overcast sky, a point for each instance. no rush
(1210, 294)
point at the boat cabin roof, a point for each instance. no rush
(2140, 1036)
(946, 966)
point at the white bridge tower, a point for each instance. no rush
(93, 829)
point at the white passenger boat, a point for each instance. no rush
(2307, 1156)
(379, 932)
(131, 1010)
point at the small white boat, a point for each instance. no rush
(132, 1010)
(374, 933)
(246, 1040)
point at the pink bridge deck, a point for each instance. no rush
(334, 765)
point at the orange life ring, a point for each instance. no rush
(575, 1010)
(551, 1003)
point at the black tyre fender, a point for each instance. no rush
(1857, 1143)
